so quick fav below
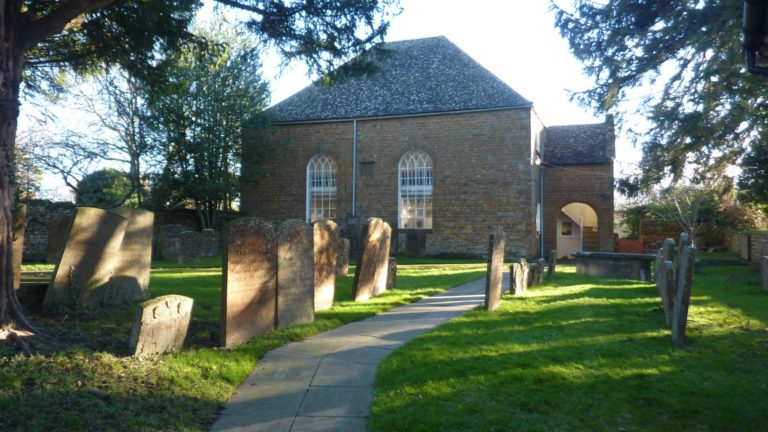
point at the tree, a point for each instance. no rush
(28, 175)
(47, 36)
(105, 188)
(703, 110)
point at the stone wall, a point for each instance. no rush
(482, 174)
(39, 213)
(654, 232)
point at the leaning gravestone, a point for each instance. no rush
(189, 247)
(372, 262)
(495, 269)
(58, 229)
(160, 325)
(131, 278)
(19, 218)
(392, 272)
(210, 242)
(342, 260)
(249, 280)
(295, 274)
(326, 244)
(81, 279)
(168, 242)
(683, 294)
(764, 272)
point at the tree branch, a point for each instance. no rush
(37, 30)
(240, 5)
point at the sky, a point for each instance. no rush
(514, 39)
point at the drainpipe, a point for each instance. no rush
(541, 208)
(354, 167)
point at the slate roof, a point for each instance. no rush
(579, 144)
(419, 76)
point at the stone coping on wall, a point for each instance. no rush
(616, 255)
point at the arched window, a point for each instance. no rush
(415, 191)
(321, 188)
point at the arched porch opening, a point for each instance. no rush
(577, 230)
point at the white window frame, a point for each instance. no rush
(414, 185)
(324, 186)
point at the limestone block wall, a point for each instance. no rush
(482, 174)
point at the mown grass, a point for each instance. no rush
(582, 353)
(98, 387)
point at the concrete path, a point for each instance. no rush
(325, 383)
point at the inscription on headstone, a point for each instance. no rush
(342, 260)
(58, 229)
(249, 283)
(131, 278)
(372, 261)
(160, 325)
(495, 269)
(168, 242)
(683, 295)
(81, 279)
(295, 274)
(189, 247)
(326, 245)
(19, 219)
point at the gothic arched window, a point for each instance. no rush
(415, 191)
(321, 188)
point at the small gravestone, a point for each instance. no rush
(659, 273)
(684, 240)
(495, 269)
(683, 295)
(342, 259)
(295, 274)
(552, 263)
(326, 245)
(372, 262)
(189, 247)
(668, 290)
(210, 242)
(160, 325)
(168, 243)
(249, 280)
(131, 276)
(764, 272)
(82, 278)
(392, 272)
(516, 281)
(19, 218)
(666, 253)
(540, 270)
(58, 229)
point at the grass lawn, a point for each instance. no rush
(581, 353)
(99, 388)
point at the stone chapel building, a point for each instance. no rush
(443, 151)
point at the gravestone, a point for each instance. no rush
(683, 295)
(517, 284)
(160, 325)
(668, 290)
(189, 247)
(666, 253)
(81, 280)
(168, 241)
(764, 272)
(295, 274)
(552, 263)
(495, 269)
(19, 219)
(326, 251)
(342, 260)
(210, 242)
(58, 229)
(131, 278)
(249, 284)
(392, 272)
(372, 261)
(541, 263)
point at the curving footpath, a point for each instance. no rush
(325, 382)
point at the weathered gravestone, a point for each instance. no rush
(552, 263)
(342, 260)
(189, 247)
(683, 294)
(19, 218)
(210, 242)
(665, 253)
(392, 272)
(764, 272)
(371, 271)
(295, 274)
(518, 280)
(326, 245)
(668, 290)
(168, 241)
(58, 229)
(160, 325)
(81, 279)
(249, 283)
(495, 269)
(540, 264)
(131, 276)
